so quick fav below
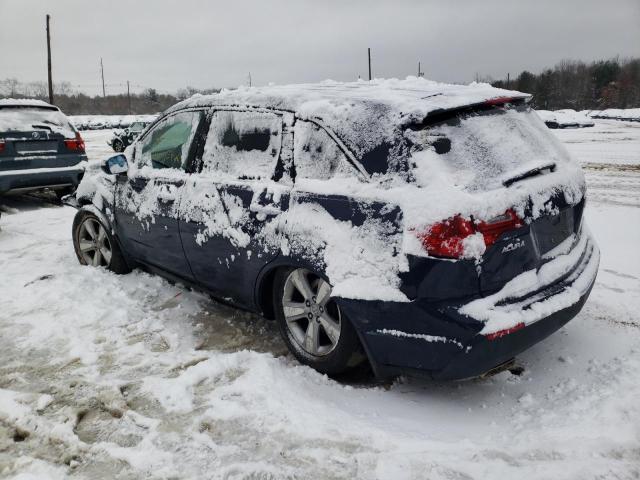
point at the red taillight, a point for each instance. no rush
(499, 100)
(2, 144)
(446, 239)
(492, 229)
(505, 332)
(75, 144)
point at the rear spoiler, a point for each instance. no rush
(32, 107)
(440, 115)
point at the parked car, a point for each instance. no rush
(430, 228)
(121, 139)
(97, 123)
(39, 148)
(565, 119)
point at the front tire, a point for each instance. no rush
(95, 245)
(118, 146)
(311, 323)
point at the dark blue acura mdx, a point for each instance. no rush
(428, 228)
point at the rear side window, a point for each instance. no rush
(21, 119)
(167, 145)
(243, 145)
(316, 155)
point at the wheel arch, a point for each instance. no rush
(265, 282)
(87, 207)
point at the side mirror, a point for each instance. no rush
(115, 165)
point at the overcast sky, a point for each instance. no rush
(171, 44)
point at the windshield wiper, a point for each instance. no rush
(541, 170)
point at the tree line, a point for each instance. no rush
(598, 85)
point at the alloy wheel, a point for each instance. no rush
(94, 244)
(312, 317)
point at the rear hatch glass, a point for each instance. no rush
(485, 148)
(29, 119)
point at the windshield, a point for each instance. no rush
(483, 149)
(28, 119)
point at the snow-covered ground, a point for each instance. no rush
(105, 376)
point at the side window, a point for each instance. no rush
(167, 145)
(243, 144)
(316, 155)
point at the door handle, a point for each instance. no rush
(264, 209)
(167, 193)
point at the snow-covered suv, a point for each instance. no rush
(39, 148)
(428, 227)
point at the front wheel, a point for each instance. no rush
(311, 323)
(94, 244)
(118, 146)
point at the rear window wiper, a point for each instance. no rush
(46, 127)
(541, 170)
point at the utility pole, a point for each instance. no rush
(49, 62)
(369, 55)
(249, 78)
(420, 72)
(102, 72)
(129, 97)
(508, 81)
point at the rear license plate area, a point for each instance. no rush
(551, 230)
(36, 146)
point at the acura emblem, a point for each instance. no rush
(35, 134)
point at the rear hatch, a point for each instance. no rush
(519, 192)
(37, 137)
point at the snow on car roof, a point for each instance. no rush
(364, 114)
(25, 102)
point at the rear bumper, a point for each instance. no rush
(439, 340)
(33, 179)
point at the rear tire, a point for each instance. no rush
(311, 323)
(95, 245)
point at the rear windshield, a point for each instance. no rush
(23, 119)
(483, 149)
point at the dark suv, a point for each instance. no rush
(39, 148)
(123, 138)
(429, 228)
